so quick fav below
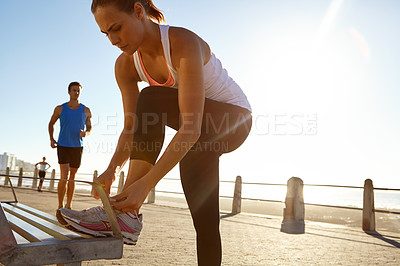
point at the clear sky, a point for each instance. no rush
(322, 78)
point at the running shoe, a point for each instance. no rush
(60, 217)
(94, 221)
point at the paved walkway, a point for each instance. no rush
(168, 239)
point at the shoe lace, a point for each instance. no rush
(101, 213)
(137, 218)
(135, 214)
(97, 211)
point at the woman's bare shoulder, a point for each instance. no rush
(179, 35)
(125, 68)
(183, 40)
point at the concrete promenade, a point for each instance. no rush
(168, 238)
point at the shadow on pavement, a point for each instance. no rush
(383, 238)
(227, 215)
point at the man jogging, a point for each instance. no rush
(74, 125)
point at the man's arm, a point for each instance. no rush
(53, 120)
(88, 123)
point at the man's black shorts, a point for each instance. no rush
(71, 155)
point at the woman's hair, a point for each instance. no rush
(128, 5)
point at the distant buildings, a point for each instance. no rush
(10, 160)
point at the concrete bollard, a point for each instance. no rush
(368, 217)
(293, 213)
(21, 173)
(121, 181)
(151, 198)
(237, 196)
(34, 181)
(95, 174)
(6, 177)
(53, 176)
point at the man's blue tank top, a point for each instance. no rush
(71, 123)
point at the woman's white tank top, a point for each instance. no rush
(217, 83)
(42, 167)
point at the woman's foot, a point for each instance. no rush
(94, 221)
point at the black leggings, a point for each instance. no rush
(224, 128)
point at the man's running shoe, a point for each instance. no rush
(60, 217)
(94, 221)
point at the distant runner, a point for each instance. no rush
(43, 166)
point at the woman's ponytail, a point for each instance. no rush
(153, 12)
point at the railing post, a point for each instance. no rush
(21, 173)
(237, 196)
(121, 181)
(53, 176)
(293, 213)
(95, 174)
(368, 218)
(151, 198)
(6, 177)
(34, 181)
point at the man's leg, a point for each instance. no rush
(64, 169)
(74, 164)
(70, 186)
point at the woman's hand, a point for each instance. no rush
(132, 198)
(105, 180)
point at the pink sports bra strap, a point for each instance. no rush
(170, 81)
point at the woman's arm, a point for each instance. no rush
(186, 51)
(127, 79)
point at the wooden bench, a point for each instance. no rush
(32, 237)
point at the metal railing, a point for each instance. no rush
(305, 185)
(237, 195)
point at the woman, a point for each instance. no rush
(189, 92)
(43, 167)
